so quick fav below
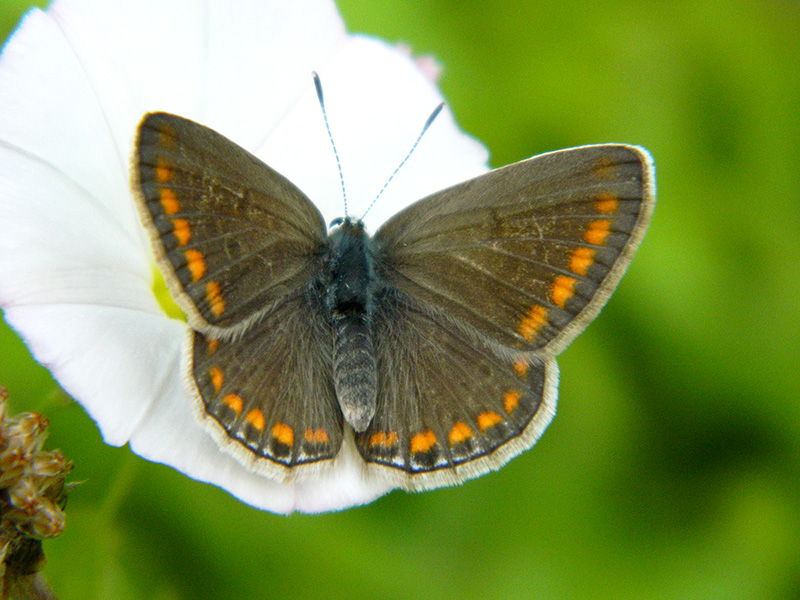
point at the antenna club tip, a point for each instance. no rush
(317, 85)
(433, 116)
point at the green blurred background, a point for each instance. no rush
(673, 467)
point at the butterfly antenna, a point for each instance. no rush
(318, 86)
(428, 123)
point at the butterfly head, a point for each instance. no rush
(348, 225)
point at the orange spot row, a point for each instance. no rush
(521, 367)
(234, 402)
(582, 259)
(511, 401)
(163, 171)
(256, 418)
(605, 168)
(488, 419)
(563, 289)
(215, 300)
(597, 232)
(423, 442)
(316, 436)
(607, 203)
(216, 378)
(166, 135)
(384, 439)
(169, 201)
(180, 229)
(459, 433)
(283, 434)
(195, 263)
(531, 323)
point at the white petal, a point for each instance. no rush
(377, 101)
(114, 361)
(49, 112)
(234, 66)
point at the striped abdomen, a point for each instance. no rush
(355, 374)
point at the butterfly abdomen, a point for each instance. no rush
(349, 301)
(354, 369)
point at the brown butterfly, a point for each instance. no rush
(429, 349)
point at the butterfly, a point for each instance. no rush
(429, 348)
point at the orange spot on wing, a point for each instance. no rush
(317, 436)
(563, 290)
(256, 418)
(511, 401)
(521, 367)
(381, 438)
(215, 300)
(216, 378)
(531, 323)
(597, 232)
(235, 403)
(212, 345)
(169, 201)
(582, 259)
(423, 442)
(605, 168)
(163, 171)
(459, 433)
(283, 434)
(195, 263)
(166, 135)
(607, 203)
(488, 419)
(180, 229)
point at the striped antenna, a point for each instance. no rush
(425, 127)
(318, 86)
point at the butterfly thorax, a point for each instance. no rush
(349, 301)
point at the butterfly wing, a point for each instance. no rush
(232, 235)
(241, 249)
(529, 253)
(269, 394)
(500, 273)
(450, 408)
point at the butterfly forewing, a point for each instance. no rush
(271, 391)
(234, 235)
(526, 254)
(447, 403)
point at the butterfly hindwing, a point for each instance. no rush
(233, 235)
(271, 390)
(448, 402)
(529, 253)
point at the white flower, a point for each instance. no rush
(76, 272)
